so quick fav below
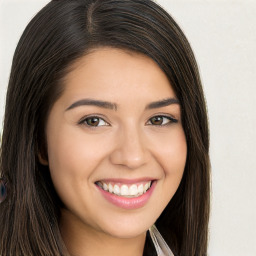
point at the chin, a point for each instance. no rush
(127, 228)
(127, 233)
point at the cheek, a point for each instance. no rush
(72, 163)
(171, 152)
(176, 157)
(64, 160)
(172, 158)
(74, 154)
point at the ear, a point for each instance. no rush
(42, 153)
(42, 159)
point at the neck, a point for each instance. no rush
(84, 240)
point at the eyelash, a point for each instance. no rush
(85, 120)
(169, 119)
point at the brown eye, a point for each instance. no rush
(156, 120)
(162, 120)
(94, 121)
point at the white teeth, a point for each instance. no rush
(116, 190)
(110, 188)
(140, 189)
(124, 190)
(147, 185)
(133, 191)
(105, 186)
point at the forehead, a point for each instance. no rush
(119, 74)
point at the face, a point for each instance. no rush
(116, 146)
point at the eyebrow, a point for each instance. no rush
(162, 103)
(91, 102)
(113, 106)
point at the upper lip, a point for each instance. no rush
(127, 181)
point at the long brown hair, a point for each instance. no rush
(62, 32)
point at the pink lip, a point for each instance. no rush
(128, 203)
(127, 181)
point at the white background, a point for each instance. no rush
(223, 36)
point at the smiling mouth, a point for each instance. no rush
(125, 190)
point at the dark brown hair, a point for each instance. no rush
(62, 32)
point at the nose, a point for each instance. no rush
(130, 150)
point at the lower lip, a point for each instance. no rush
(128, 203)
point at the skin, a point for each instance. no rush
(125, 143)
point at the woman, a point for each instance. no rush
(105, 134)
